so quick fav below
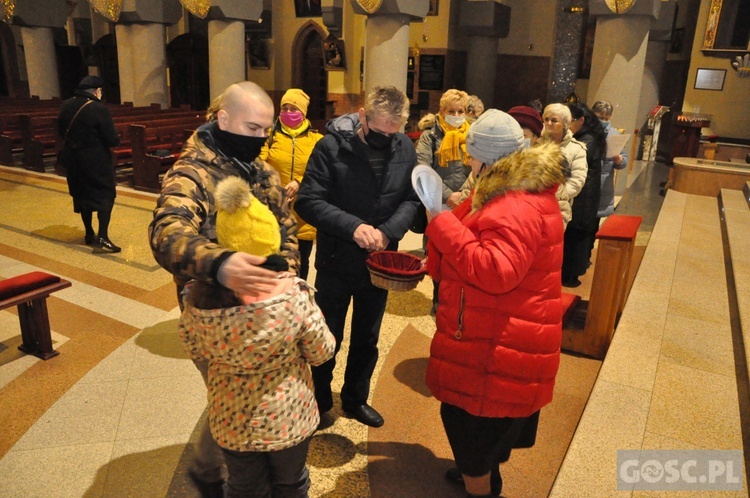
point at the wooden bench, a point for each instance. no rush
(608, 289)
(29, 292)
(154, 150)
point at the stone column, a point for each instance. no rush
(617, 66)
(226, 54)
(481, 68)
(618, 63)
(99, 26)
(142, 62)
(387, 41)
(386, 51)
(484, 22)
(226, 41)
(41, 62)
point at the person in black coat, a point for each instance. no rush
(357, 192)
(581, 230)
(86, 126)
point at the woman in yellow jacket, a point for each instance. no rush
(287, 150)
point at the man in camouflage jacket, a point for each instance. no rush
(183, 231)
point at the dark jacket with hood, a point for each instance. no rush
(340, 192)
(86, 154)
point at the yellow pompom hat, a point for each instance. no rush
(298, 98)
(243, 223)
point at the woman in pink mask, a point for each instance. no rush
(288, 148)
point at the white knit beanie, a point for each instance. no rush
(493, 135)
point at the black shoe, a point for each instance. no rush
(326, 420)
(571, 283)
(207, 489)
(496, 481)
(365, 414)
(89, 239)
(105, 245)
(454, 475)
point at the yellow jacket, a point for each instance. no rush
(287, 151)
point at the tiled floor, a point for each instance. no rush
(112, 415)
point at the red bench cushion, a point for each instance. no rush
(619, 227)
(25, 283)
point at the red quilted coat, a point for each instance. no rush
(498, 257)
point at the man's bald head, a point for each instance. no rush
(242, 94)
(244, 109)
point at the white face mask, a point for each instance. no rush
(454, 121)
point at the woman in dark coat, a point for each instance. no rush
(86, 126)
(584, 223)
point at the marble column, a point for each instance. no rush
(387, 51)
(481, 67)
(617, 68)
(41, 62)
(99, 26)
(226, 54)
(142, 60)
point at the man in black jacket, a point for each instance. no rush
(86, 126)
(357, 192)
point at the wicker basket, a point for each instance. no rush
(396, 271)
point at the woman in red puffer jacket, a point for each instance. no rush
(496, 352)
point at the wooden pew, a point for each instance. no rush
(29, 292)
(154, 150)
(608, 289)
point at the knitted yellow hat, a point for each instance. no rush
(243, 223)
(298, 98)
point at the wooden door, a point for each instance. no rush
(187, 56)
(106, 57)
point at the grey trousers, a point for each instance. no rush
(208, 456)
(277, 474)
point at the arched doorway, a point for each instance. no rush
(10, 82)
(105, 50)
(308, 72)
(187, 56)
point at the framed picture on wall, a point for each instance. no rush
(710, 79)
(307, 8)
(334, 54)
(257, 52)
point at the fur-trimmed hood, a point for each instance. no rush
(535, 169)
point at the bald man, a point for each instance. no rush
(183, 231)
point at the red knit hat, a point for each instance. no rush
(528, 117)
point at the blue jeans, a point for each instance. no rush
(277, 474)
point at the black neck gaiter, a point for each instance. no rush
(240, 147)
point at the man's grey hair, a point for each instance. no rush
(388, 101)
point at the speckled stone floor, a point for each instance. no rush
(114, 414)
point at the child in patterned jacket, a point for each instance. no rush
(262, 408)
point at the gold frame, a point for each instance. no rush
(712, 24)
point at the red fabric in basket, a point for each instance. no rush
(396, 264)
(25, 283)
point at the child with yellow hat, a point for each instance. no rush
(258, 347)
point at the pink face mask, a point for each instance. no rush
(292, 119)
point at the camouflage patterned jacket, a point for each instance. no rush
(183, 231)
